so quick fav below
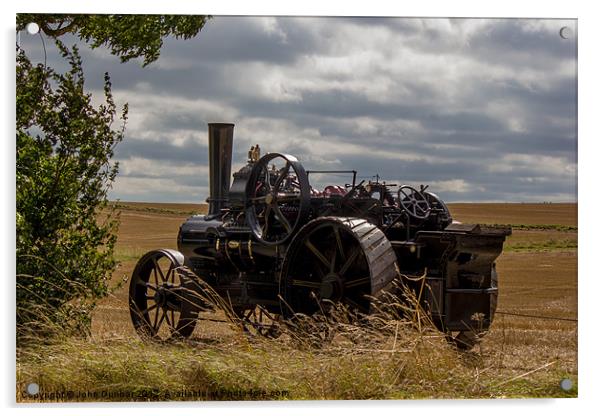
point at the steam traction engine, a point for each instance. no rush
(273, 246)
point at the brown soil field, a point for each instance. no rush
(515, 213)
(159, 206)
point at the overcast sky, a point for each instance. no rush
(480, 109)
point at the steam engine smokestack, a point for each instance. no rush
(220, 165)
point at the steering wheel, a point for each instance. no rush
(277, 198)
(413, 202)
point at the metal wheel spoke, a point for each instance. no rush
(157, 318)
(148, 322)
(266, 217)
(166, 314)
(148, 309)
(163, 317)
(154, 273)
(282, 219)
(288, 197)
(423, 204)
(317, 253)
(333, 261)
(173, 318)
(321, 273)
(267, 179)
(349, 262)
(158, 269)
(306, 283)
(337, 236)
(170, 276)
(357, 282)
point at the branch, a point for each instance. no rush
(58, 31)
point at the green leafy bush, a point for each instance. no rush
(65, 230)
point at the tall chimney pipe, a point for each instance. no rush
(220, 165)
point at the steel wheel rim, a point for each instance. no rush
(334, 269)
(272, 195)
(413, 202)
(158, 294)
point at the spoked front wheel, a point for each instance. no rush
(162, 296)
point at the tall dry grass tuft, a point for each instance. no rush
(393, 353)
(50, 310)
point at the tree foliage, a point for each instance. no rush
(127, 36)
(63, 173)
(66, 231)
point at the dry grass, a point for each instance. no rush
(359, 363)
(381, 359)
(520, 357)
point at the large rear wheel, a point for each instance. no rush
(333, 259)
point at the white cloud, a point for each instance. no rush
(141, 167)
(271, 26)
(148, 109)
(543, 165)
(157, 189)
(454, 186)
(316, 149)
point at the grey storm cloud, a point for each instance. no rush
(237, 40)
(482, 109)
(188, 152)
